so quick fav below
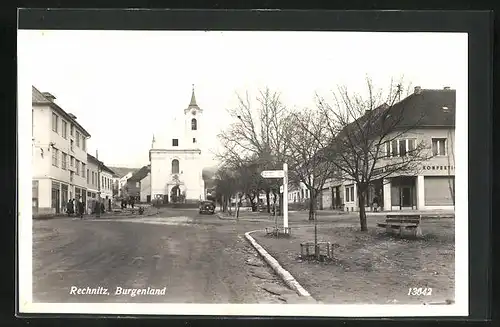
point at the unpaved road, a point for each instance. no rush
(197, 259)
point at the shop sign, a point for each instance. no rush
(434, 167)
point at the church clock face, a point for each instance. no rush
(193, 112)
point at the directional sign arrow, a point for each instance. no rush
(273, 174)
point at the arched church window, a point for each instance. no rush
(175, 166)
(194, 124)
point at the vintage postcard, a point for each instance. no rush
(253, 173)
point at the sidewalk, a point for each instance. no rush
(116, 213)
(332, 215)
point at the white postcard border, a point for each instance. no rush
(26, 305)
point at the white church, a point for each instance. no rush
(176, 160)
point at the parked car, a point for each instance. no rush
(207, 207)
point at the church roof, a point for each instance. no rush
(192, 103)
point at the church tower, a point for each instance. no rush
(193, 123)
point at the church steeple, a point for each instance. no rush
(192, 103)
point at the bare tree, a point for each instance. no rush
(306, 159)
(363, 137)
(307, 132)
(257, 133)
(225, 186)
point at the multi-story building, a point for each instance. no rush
(59, 156)
(97, 172)
(432, 185)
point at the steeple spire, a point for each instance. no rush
(193, 100)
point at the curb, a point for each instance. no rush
(285, 275)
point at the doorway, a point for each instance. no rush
(406, 196)
(56, 200)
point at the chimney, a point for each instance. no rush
(49, 96)
(446, 88)
(418, 90)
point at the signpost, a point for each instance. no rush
(283, 188)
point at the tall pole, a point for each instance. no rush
(285, 195)
(98, 209)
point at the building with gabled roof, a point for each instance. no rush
(59, 156)
(427, 115)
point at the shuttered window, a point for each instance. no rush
(439, 190)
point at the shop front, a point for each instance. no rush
(56, 197)
(403, 193)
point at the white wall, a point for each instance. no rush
(190, 173)
(145, 187)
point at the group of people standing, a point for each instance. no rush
(77, 207)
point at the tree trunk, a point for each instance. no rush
(268, 200)
(252, 202)
(311, 206)
(362, 211)
(315, 218)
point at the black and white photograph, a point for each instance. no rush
(258, 173)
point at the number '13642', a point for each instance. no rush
(420, 291)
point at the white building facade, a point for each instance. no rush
(432, 185)
(145, 192)
(59, 158)
(97, 173)
(176, 161)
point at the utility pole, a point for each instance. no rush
(98, 209)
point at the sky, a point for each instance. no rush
(125, 86)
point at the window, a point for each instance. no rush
(55, 122)
(93, 178)
(71, 176)
(401, 147)
(77, 167)
(439, 147)
(84, 145)
(194, 124)
(72, 130)
(64, 160)
(102, 182)
(349, 193)
(411, 145)
(175, 166)
(55, 155)
(394, 148)
(194, 140)
(88, 177)
(175, 142)
(71, 145)
(64, 131)
(77, 139)
(72, 161)
(137, 184)
(83, 170)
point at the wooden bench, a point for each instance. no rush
(276, 231)
(401, 223)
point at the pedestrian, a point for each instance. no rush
(69, 207)
(109, 205)
(375, 204)
(132, 202)
(103, 208)
(81, 208)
